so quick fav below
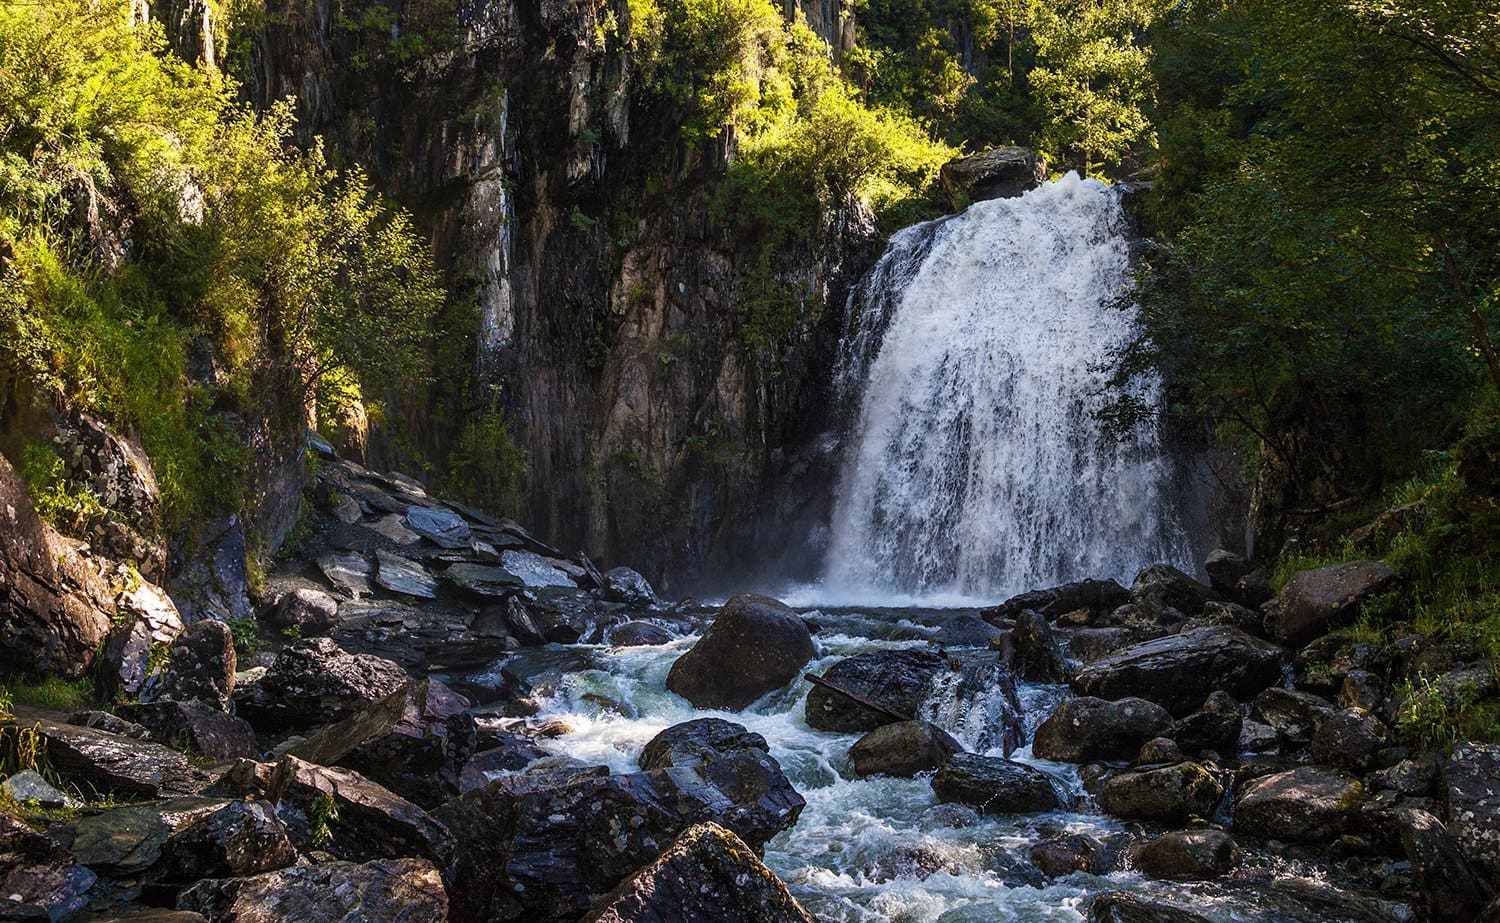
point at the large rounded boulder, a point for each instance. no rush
(1088, 728)
(755, 646)
(1179, 671)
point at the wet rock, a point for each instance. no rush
(638, 634)
(37, 876)
(348, 571)
(1171, 587)
(516, 754)
(1098, 596)
(1469, 789)
(1315, 602)
(314, 681)
(392, 527)
(1449, 887)
(995, 786)
(1087, 729)
(1349, 739)
(444, 527)
(1293, 714)
(1090, 644)
(707, 873)
(194, 727)
(241, 838)
(1188, 854)
(383, 891)
(131, 661)
(109, 723)
(1038, 655)
(755, 646)
(484, 581)
(415, 742)
(1217, 726)
(202, 666)
(564, 616)
(404, 576)
(1124, 907)
(966, 631)
(308, 611)
(1158, 751)
(900, 680)
(1067, 853)
(528, 846)
(1167, 794)
(903, 749)
(108, 762)
(1179, 671)
(1225, 569)
(708, 759)
(1258, 738)
(28, 787)
(215, 582)
(997, 173)
(338, 810)
(1306, 804)
(623, 585)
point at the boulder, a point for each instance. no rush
(1179, 671)
(997, 173)
(1314, 602)
(201, 666)
(338, 810)
(1125, 907)
(707, 873)
(563, 615)
(1306, 804)
(194, 727)
(109, 763)
(1292, 713)
(120, 841)
(415, 742)
(528, 847)
(754, 647)
(214, 583)
(38, 878)
(1413, 777)
(441, 526)
(382, 891)
(637, 633)
(995, 786)
(114, 468)
(308, 611)
(903, 749)
(1171, 587)
(1159, 751)
(392, 527)
(28, 787)
(1215, 727)
(1165, 794)
(1449, 887)
(900, 680)
(1087, 729)
(403, 576)
(537, 571)
(1187, 854)
(1098, 596)
(1350, 739)
(1225, 569)
(241, 838)
(1089, 644)
(1038, 655)
(966, 631)
(314, 681)
(131, 660)
(1469, 790)
(1067, 853)
(483, 580)
(623, 585)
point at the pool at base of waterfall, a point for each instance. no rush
(879, 848)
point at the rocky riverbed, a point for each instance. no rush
(437, 716)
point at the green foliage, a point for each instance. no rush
(486, 466)
(323, 812)
(48, 692)
(289, 270)
(67, 506)
(246, 634)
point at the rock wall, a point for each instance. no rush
(566, 205)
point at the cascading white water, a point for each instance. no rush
(978, 465)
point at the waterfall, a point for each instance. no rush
(978, 358)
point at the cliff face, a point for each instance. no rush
(607, 287)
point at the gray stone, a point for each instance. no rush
(342, 812)
(28, 787)
(755, 646)
(1087, 729)
(623, 585)
(201, 666)
(536, 571)
(241, 838)
(1179, 671)
(1314, 602)
(382, 891)
(309, 611)
(1350, 739)
(903, 749)
(392, 527)
(39, 880)
(348, 571)
(1188, 854)
(1469, 788)
(997, 173)
(442, 526)
(110, 763)
(484, 580)
(404, 576)
(995, 786)
(1306, 804)
(1124, 907)
(1166, 794)
(194, 727)
(1449, 887)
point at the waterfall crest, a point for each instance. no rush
(979, 356)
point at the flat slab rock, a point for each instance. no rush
(708, 873)
(382, 891)
(1179, 671)
(1470, 790)
(109, 762)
